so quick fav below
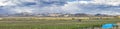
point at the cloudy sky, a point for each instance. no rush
(111, 7)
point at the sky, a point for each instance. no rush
(111, 7)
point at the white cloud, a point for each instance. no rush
(28, 0)
(49, 9)
(102, 2)
(55, 6)
(71, 7)
(15, 6)
(107, 2)
(22, 10)
(110, 13)
(6, 3)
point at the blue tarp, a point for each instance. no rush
(108, 26)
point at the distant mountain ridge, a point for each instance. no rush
(56, 15)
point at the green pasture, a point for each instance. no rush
(68, 23)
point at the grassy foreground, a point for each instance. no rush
(33, 23)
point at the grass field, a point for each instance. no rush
(53, 23)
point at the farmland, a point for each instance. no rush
(53, 22)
